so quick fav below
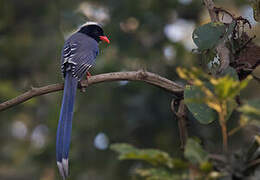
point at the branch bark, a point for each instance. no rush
(140, 75)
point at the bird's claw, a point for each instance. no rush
(82, 87)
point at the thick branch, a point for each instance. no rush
(144, 76)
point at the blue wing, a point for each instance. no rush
(80, 54)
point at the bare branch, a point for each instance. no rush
(144, 76)
(181, 113)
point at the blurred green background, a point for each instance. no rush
(148, 34)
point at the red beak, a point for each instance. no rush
(104, 38)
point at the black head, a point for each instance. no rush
(95, 31)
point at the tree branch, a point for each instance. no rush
(140, 75)
(181, 113)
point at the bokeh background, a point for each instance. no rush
(148, 34)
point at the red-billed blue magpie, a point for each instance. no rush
(78, 55)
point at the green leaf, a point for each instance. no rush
(231, 72)
(206, 166)
(194, 152)
(158, 174)
(208, 35)
(179, 164)
(227, 88)
(152, 156)
(231, 106)
(193, 97)
(251, 109)
(231, 103)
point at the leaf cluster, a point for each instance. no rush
(161, 166)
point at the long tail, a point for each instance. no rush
(65, 124)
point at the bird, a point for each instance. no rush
(77, 57)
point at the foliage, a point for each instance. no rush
(158, 174)
(209, 35)
(251, 109)
(209, 97)
(201, 111)
(164, 167)
(216, 93)
(153, 156)
(194, 152)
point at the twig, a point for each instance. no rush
(218, 157)
(256, 78)
(253, 163)
(244, 45)
(236, 129)
(222, 114)
(224, 136)
(218, 10)
(182, 121)
(141, 75)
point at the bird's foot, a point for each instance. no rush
(82, 87)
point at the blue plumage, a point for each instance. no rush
(78, 55)
(65, 124)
